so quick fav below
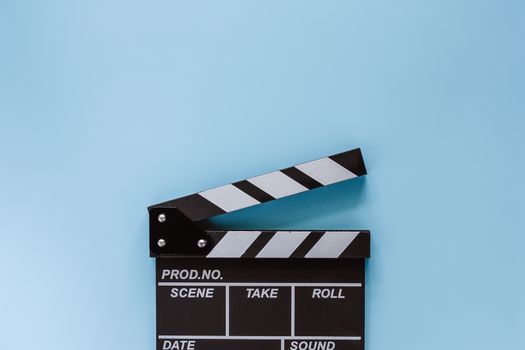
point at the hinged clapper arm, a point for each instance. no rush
(173, 225)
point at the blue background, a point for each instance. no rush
(109, 106)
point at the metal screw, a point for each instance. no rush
(161, 243)
(162, 218)
(202, 243)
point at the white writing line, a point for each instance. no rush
(257, 284)
(249, 337)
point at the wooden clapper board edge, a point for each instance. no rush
(259, 290)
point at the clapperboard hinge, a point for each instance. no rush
(174, 229)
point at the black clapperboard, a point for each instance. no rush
(259, 290)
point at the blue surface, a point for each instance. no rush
(107, 107)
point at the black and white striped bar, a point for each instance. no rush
(290, 244)
(270, 186)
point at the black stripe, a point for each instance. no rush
(351, 160)
(196, 207)
(301, 177)
(359, 248)
(258, 244)
(253, 191)
(216, 236)
(307, 244)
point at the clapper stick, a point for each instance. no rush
(174, 225)
(260, 289)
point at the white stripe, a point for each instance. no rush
(229, 198)
(332, 244)
(277, 184)
(233, 244)
(325, 171)
(283, 244)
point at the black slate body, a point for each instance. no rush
(282, 304)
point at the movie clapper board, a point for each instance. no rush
(259, 290)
